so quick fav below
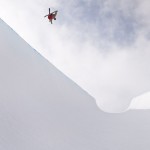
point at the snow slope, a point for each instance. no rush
(41, 109)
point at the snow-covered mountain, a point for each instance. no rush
(41, 109)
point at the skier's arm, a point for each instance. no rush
(54, 12)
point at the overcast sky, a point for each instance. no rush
(102, 45)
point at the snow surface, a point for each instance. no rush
(41, 109)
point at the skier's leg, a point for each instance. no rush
(55, 15)
(50, 20)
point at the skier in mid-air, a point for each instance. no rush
(51, 16)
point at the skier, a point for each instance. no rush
(51, 16)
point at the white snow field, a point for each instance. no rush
(42, 109)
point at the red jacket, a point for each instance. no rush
(51, 16)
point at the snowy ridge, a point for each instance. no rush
(41, 109)
(34, 96)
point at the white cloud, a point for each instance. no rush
(101, 45)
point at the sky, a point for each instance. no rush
(102, 45)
